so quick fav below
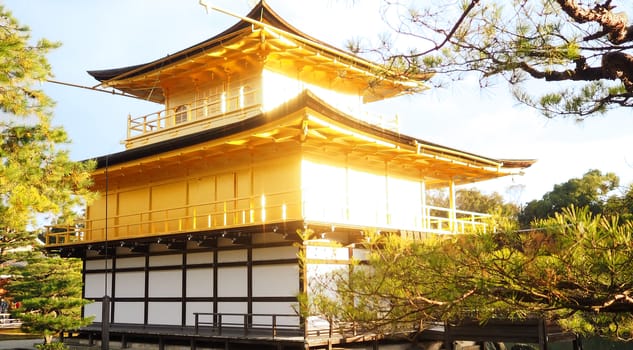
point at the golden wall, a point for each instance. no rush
(361, 193)
(240, 188)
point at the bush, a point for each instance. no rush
(56, 345)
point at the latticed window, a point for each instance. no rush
(181, 114)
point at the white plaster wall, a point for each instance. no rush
(269, 308)
(98, 264)
(164, 313)
(200, 282)
(232, 308)
(130, 262)
(165, 283)
(320, 280)
(200, 258)
(165, 260)
(232, 281)
(231, 255)
(275, 280)
(128, 312)
(327, 253)
(95, 285)
(130, 284)
(198, 307)
(360, 254)
(274, 253)
(93, 309)
(322, 271)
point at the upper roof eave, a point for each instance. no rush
(500, 167)
(260, 13)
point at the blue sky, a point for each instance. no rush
(100, 34)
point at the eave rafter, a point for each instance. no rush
(320, 129)
(255, 47)
(333, 139)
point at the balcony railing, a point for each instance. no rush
(233, 107)
(224, 108)
(247, 211)
(443, 220)
(241, 211)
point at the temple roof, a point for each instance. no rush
(261, 37)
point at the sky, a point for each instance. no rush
(102, 34)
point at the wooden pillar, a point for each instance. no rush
(146, 287)
(542, 335)
(347, 188)
(303, 284)
(387, 206)
(105, 323)
(448, 338)
(425, 214)
(452, 215)
(249, 284)
(183, 288)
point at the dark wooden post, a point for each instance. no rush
(448, 337)
(105, 323)
(542, 334)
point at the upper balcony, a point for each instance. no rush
(200, 114)
(221, 109)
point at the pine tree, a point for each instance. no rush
(573, 268)
(37, 176)
(48, 290)
(38, 182)
(562, 57)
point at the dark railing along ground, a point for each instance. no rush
(250, 323)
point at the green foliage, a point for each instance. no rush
(592, 190)
(36, 174)
(37, 181)
(472, 199)
(620, 204)
(56, 345)
(516, 41)
(575, 268)
(49, 291)
(22, 66)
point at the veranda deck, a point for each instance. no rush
(532, 331)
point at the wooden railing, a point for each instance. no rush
(270, 324)
(241, 103)
(444, 220)
(251, 210)
(231, 106)
(428, 219)
(249, 323)
(240, 211)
